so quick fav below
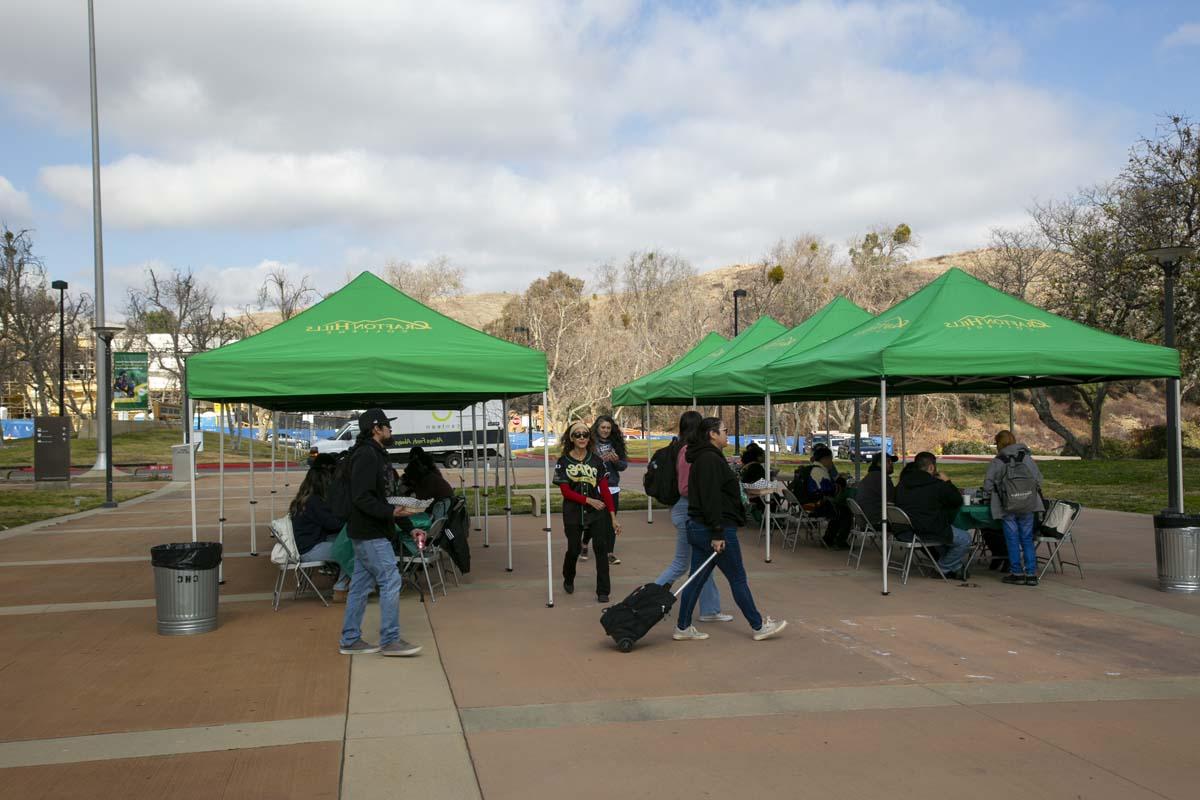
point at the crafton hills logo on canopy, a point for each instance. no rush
(384, 325)
(993, 321)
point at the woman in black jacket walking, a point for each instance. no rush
(715, 511)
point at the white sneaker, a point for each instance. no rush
(716, 617)
(690, 633)
(769, 628)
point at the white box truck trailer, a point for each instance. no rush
(437, 432)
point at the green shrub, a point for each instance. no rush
(967, 447)
(1116, 448)
(1151, 442)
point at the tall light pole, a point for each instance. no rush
(529, 424)
(105, 333)
(737, 426)
(102, 372)
(62, 351)
(1169, 258)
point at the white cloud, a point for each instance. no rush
(545, 135)
(14, 204)
(1186, 35)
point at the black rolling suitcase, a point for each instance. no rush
(633, 617)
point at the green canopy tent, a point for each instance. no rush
(740, 380)
(367, 345)
(678, 388)
(959, 334)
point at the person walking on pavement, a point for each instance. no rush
(715, 511)
(608, 442)
(710, 597)
(372, 522)
(587, 507)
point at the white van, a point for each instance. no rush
(437, 432)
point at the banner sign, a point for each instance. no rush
(131, 373)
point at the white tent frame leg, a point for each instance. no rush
(274, 439)
(475, 465)
(547, 529)
(221, 494)
(882, 465)
(767, 512)
(903, 436)
(646, 436)
(253, 499)
(462, 453)
(486, 458)
(507, 486)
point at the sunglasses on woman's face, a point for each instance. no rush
(581, 435)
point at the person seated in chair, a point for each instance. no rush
(815, 486)
(314, 524)
(871, 488)
(423, 478)
(931, 501)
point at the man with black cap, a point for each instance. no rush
(372, 520)
(871, 488)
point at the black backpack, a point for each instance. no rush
(340, 500)
(660, 480)
(800, 485)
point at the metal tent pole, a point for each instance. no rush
(883, 466)
(253, 500)
(547, 529)
(507, 486)
(462, 453)
(486, 458)
(646, 433)
(903, 441)
(475, 464)
(221, 494)
(274, 439)
(767, 405)
(857, 440)
(1012, 424)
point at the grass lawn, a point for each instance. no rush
(24, 503)
(142, 447)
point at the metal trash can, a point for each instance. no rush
(185, 586)
(1177, 551)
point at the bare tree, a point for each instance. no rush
(281, 295)
(425, 282)
(1017, 261)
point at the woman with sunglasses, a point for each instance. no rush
(609, 444)
(715, 511)
(587, 506)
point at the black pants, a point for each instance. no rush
(596, 525)
(587, 534)
(837, 531)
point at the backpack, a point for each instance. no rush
(800, 485)
(340, 499)
(1018, 486)
(661, 481)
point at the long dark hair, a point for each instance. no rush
(316, 482)
(420, 466)
(615, 436)
(699, 435)
(567, 444)
(688, 421)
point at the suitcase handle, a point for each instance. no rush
(694, 574)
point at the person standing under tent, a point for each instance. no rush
(587, 506)
(609, 443)
(710, 596)
(372, 521)
(715, 511)
(314, 523)
(1018, 525)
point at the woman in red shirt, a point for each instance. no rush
(587, 506)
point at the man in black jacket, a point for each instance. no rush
(372, 521)
(931, 501)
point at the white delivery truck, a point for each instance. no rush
(437, 432)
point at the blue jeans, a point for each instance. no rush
(1018, 535)
(700, 538)
(374, 564)
(323, 551)
(710, 598)
(952, 559)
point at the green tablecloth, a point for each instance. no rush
(976, 516)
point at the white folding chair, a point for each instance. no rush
(285, 555)
(425, 557)
(1054, 531)
(861, 532)
(798, 518)
(899, 524)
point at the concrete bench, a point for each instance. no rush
(535, 496)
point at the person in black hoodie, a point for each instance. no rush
(931, 501)
(715, 511)
(314, 524)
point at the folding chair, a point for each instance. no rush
(861, 532)
(285, 555)
(424, 557)
(899, 524)
(798, 518)
(1055, 531)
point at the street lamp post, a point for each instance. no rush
(1169, 258)
(106, 333)
(529, 423)
(62, 370)
(737, 426)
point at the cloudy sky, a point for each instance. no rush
(521, 137)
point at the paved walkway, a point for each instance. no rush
(1072, 689)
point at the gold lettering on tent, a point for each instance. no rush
(385, 325)
(990, 321)
(893, 324)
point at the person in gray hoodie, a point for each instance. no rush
(1018, 525)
